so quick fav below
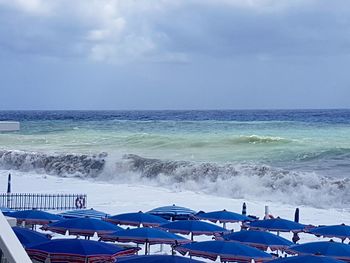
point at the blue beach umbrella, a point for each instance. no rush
(29, 237)
(137, 219)
(194, 228)
(331, 249)
(173, 212)
(82, 226)
(340, 231)
(6, 211)
(82, 213)
(145, 234)
(259, 239)
(157, 259)
(306, 259)
(223, 217)
(35, 217)
(276, 224)
(227, 251)
(77, 251)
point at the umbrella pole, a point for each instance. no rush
(146, 248)
(224, 225)
(191, 236)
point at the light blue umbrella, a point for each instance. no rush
(81, 213)
(340, 231)
(259, 239)
(137, 219)
(173, 212)
(227, 251)
(331, 249)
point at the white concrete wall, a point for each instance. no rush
(9, 126)
(10, 245)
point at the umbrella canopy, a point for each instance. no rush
(227, 251)
(137, 219)
(340, 231)
(276, 224)
(158, 259)
(193, 227)
(82, 226)
(35, 217)
(223, 217)
(307, 258)
(6, 210)
(77, 250)
(259, 239)
(29, 237)
(173, 212)
(81, 213)
(331, 249)
(145, 235)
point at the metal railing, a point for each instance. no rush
(22, 201)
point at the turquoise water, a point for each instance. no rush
(196, 150)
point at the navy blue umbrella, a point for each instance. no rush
(306, 259)
(35, 217)
(77, 251)
(227, 251)
(145, 234)
(276, 224)
(29, 237)
(223, 217)
(82, 226)
(193, 227)
(340, 231)
(82, 213)
(259, 239)
(158, 259)
(137, 219)
(173, 212)
(331, 249)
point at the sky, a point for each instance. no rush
(174, 54)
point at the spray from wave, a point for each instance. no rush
(236, 180)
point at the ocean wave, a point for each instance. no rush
(256, 139)
(235, 180)
(55, 164)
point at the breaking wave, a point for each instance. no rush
(53, 164)
(235, 180)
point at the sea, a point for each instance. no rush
(291, 156)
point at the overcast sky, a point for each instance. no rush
(174, 54)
